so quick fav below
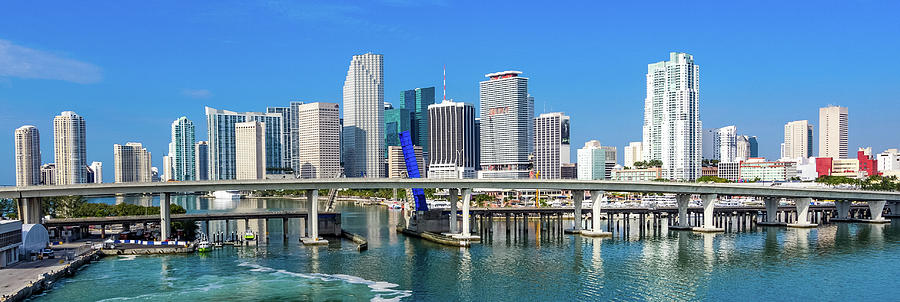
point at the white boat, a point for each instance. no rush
(395, 206)
(227, 194)
(438, 204)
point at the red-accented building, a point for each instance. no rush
(867, 162)
(823, 166)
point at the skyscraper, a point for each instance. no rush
(48, 174)
(363, 134)
(221, 131)
(97, 167)
(396, 120)
(507, 125)
(798, 140)
(250, 146)
(592, 161)
(724, 144)
(28, 156)
(182, 150)
(672, 127)
(417, 102)
(612, 156)
(452, 140)
(69, 148)
(290, 135)
(167, 170)
(551, 144)
(742, 148)
(319, 141)
(132, 163)
(396, 163)
(754, 146)
(201, 159)
(633, 153)
(833, 132)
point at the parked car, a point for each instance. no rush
(47, 254)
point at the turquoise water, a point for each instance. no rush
(831, 263)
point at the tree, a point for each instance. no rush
(712, 179)
(654, 163)
(65, 206)
(8, 209)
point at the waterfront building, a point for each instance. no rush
(290, 135)
(568, 171)
(201, 160)
(551, 144)
(97, 169)
(611, 159)
(250, 146)
(833, 132)
(452, 140)
(132, 163)
(633, 153)
(507, 125)
(10, 242)
(709, 171)
(182, 151)
(798, 140)
(592, 161)
(806, 168)
(69, 148)
(729, 170)
(417, 102)
(720, 143)
(167, 169)
(742, 148)
(889, 160)
(363, 129)
(319, 143)
(846, 167)
(221, 132)
(397, 164)
(646, 174)
(762, 170)
(868, 165)
(672, 129)
(48, 174)
(28, 156)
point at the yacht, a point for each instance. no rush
(438, 204)
(248, 235)
(227, 194)
(204, 247)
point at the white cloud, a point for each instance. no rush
(23, 62)
(197, 93)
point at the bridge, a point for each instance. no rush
(28, 197)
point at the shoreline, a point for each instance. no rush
(47, 276)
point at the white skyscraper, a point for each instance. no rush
(592, 161)
(453, 140)
(724, 143)
(319, 140)
(97, 167)
(28, 156)
(69, 148)
(221, 130)
(132, 163)
(633, 153)
(363, 133)
(742, 148)
(507, 126)
(798, 140)
(551, 144)
(167, 169)
(672, 128)
(833, 132)
(250, 147)
(182, 150)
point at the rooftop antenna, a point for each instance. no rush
(445, 83)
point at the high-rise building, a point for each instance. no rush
(798, 140)
(167, 169)
(477, 144)
(551, 144)
(633, 153)
(48, 174)
(397, 164)
(889, 160)
(290, 134)
(201, 160)
(720, 143)
(417, 102)
(319, 142)
(833, 132)
(591, 161)
(396, 121)
(452, 141)
(507, 125)
(69, 148)
(611, 160)
(754, 146)
(672, 128)
(221, 131)
(363, 129)
(97, 168)
(182, 150)
(28, 156)
(132, 163)
(250, 145)
(742, 148)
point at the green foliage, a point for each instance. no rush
(836, 180)
(880, 183)
(654, 163)
(8, 209)
(77, 206)
(188, 228)
(63, 206)
(712, 179)
(710, 162)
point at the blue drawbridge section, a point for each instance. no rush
(412, 169)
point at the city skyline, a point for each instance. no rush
(104, 81)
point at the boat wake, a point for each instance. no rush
(384, 291)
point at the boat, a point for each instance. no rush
(248, 235)
(394, 206)
(227, 194)
(204, 247)
(438, 204)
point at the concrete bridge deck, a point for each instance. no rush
(56, 222)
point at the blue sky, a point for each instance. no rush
(132, 68)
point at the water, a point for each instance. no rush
(832, 262)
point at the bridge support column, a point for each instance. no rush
(843, 210)
(802, 205)
(312, 218)
(895, 208)
(709, 206)
(771, 212)
(577, 198)
(682, 200)
(876, 208)
(165, 221)
(595, 231)
(29, 210)
(454, 222)
(466, 218)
